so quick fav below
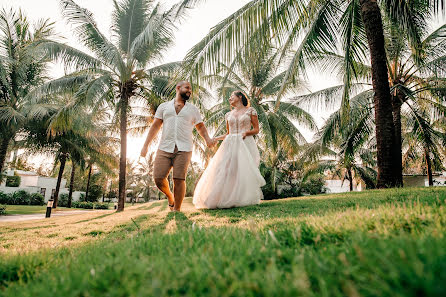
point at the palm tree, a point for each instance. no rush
(310, 28)
(256, 74)
(416, 77)
(423, 138)
(23, 65)
(120, 68)
(68, 135)
(350, 147)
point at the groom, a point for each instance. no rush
(178, 119)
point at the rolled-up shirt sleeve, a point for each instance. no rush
(198, 118)
(160, 111)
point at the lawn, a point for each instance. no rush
(372, 243)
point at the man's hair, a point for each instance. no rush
(182, 82)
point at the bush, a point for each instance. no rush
(13, 181)
(291, 192)
(95, 193)
(89, 205)
(4, 198)
(314, 185)
(37, 199)
(82, 197)
(101, 206)
(82, 204)
(2, 210)
(63, 200)
(20, 198)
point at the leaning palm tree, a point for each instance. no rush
(312, 27)
(121, 66)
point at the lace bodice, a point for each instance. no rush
(241, 123)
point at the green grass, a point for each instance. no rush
(375, 243)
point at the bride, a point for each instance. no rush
(232, 177)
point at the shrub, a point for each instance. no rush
(4, 198)
(101, 206)
(37, 199)
(63, 200)
(314, 185)
(89, 205)
(81, 197)
(2, 210)
(20, 198)
(13, 181)
(94, 193)
(82, 204)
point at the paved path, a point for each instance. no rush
(37, 216)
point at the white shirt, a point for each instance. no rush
(177, 128)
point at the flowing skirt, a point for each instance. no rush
(232, 178)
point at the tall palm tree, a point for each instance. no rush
(416, 77)
(312, 27)
(121, 66)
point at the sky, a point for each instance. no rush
(200, 20)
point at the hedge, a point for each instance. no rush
(22, 198)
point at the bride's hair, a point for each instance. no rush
(245, 100)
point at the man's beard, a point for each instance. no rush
(184, 96)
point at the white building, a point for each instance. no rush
(33, 183)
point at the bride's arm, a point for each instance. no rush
(255, 126)
(222, 137)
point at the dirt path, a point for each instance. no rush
(37, 216)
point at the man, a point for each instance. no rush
(178, 119)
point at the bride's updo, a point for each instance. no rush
(245, 100)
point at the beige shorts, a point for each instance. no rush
(165, 161)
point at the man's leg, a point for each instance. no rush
(161, 169)
(163, 186)
(179, 191)
(180, 164)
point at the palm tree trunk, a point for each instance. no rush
(88, 183)
(429, 167)
(350, 178)
(123, 156)
(3, 150)
(70, 194)
(385, 130)
(63, 159)
(398, 157)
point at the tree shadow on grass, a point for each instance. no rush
(324, 203)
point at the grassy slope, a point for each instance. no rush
(386, 243)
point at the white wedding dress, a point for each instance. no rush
(232, 178)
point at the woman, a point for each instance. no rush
(232, 177)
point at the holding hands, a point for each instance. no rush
(211, 142)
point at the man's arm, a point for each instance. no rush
(156, 125)
(204, 133)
